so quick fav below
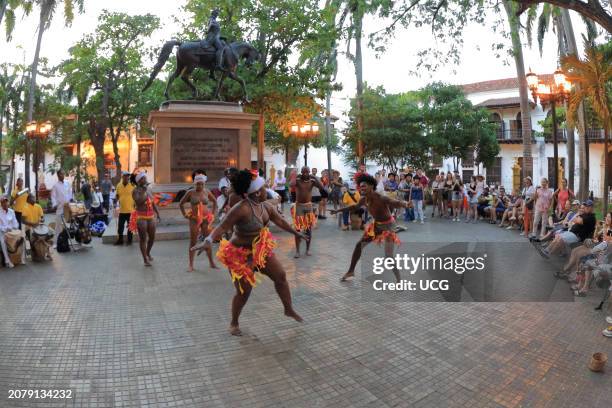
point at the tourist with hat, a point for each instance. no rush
(583, 227)
(124, 192)
(8, 222)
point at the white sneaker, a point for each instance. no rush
(414, 221)
(10, 265)
(422, 222)
(607, 332)
(609, 319)
(522, 234)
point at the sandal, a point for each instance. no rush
(579, 294)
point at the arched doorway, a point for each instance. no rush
(494, 117)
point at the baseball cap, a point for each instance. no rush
(588, 203)
(576, 202)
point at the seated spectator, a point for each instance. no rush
(565, 223)
(484, 200)
(8, 222)
(582, 228)
(594, 258)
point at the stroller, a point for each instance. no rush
(76, 221)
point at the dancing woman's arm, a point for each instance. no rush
(231, 218)
(353, 207)
(185, 198)
(213, 199)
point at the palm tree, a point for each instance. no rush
(517, 52)
(563, 28)
(47, 11)
(7, 13)
(592, 75)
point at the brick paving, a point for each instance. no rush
(121, 335)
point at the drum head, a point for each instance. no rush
(41, 230)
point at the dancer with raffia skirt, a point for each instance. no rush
(302, 212)
(381, 230)
(142, 219)
(250, 249)
(199, 216)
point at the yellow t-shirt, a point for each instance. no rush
(347, 198)
(124, 194)
(32, 213)
(20, 202)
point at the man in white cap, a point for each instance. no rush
(61, 193)
(8, 222)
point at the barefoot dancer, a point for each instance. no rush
(302, 211)
(199, 216)
(143, 217)
(382, 228)
(250, 249)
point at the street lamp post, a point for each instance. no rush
(305, 131)
(556, 92)
(37, 131)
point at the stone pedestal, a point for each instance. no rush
(190, 135)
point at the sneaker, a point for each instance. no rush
(10, 265)
(522, 234)
(609, 319)
(607, 332)
(422, 222)
(414, 221)
(509, 227)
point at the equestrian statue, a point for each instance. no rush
(213, 53)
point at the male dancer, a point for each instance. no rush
(382, 228)
(302, 211)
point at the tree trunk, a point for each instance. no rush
(606, 170)
(3, 4)
(97, 136)
(583, 168)
(358, 62)
(32, 90)
(517, 51)
(328, 132)
(115, 135)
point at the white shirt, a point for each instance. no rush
(8, 221)
(61, 193)
(279, 183)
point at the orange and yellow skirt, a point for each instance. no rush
(380, 232)
(200, 213)
(303, 217)
(243, 263)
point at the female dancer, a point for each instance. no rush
(142, 218)
(250, 248)
(199, 216)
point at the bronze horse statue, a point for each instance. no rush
(191, 55)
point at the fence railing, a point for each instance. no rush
(593, 135)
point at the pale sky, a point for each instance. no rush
(391, 70)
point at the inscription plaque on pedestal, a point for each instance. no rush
(210, 149)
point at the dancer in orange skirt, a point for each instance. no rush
(142, 219)
(199, 216)
(302, 212)
(250, 249)
(381, 230)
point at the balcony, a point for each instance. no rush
(593, 136)
(511, 136)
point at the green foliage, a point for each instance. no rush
(407, 129)
(392, 130)
(547, 124)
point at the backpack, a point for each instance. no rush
(62, 242)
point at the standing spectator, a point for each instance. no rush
(280, 187)
(391, 186)
(126, 206)
(18, 202)
(404, 190)
(351, 197)
(8, 222)
(292, 181)
(416, 196)
(224, 182)
(561, 196)
(323, 203)
(87, 193)
(105, 187)
(457, 196)
(447, 194)
(61, 194)
(528, 195)
(316, 194)
(437, 187)
(543, 200)
(473, 195)
(336, 189)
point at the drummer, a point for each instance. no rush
(32, 214)
(18, 201)
(8, 222)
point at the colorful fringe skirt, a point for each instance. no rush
(380, 232)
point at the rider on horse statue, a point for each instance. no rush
(213, 38)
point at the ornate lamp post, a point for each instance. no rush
(556, 92)
(306, 131)
(37, 131)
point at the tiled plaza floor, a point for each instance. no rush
(121, 335)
